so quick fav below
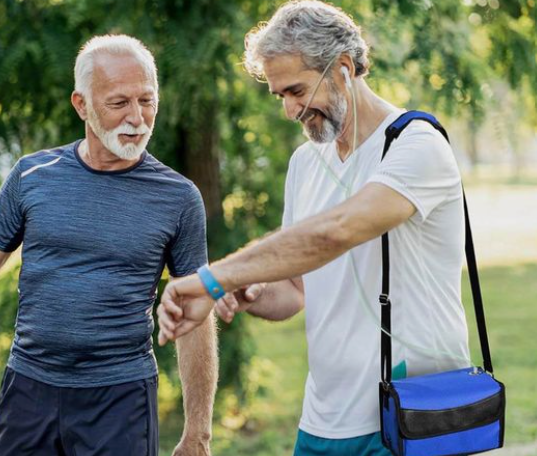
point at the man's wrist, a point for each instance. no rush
(213, 287)
(194, 435)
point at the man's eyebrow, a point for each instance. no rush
(117, 95)
(149, 93)
(290, 88)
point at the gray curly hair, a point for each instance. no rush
(317, 31)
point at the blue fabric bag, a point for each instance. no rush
(451, 413)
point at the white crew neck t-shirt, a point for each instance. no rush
(426, 256)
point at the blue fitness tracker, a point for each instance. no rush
(213, 287)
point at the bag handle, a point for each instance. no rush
(392, 132)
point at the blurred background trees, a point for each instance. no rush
(471, 62)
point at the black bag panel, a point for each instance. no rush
(421, 424)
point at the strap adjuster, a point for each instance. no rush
(391, 130)
(384, 299)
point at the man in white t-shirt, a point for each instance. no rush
(339, 198)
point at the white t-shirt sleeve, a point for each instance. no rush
(420, 165)
(287, 219)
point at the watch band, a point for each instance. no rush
(213, 287)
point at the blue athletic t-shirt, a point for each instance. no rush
(94, 247)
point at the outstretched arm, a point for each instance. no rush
(317, 240)
(291, 252)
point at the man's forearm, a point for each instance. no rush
(288, 253)
(198, 370)
(279, 301)
(314, 242)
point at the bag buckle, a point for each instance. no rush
(384, 299)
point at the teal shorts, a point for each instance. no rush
(365, 445)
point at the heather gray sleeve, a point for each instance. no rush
(11, 218)
(188, 250)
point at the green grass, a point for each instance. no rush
(274, 412)
(510, 295)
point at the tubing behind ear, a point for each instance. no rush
(345, 73)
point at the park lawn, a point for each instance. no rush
(274, 413)
(510, 294)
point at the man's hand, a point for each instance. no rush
(184, 306)
(239, 301)
(192, 447)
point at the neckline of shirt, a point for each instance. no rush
(112, 171)
(331, 148)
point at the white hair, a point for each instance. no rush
(115, 45)
(316, 31)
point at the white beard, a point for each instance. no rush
(110, 138)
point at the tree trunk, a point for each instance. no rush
(201, 160)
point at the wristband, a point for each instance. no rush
(213, 287)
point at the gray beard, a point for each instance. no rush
(332, 124)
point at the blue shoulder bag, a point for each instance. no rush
(459, 412)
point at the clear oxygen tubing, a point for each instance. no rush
(347, 188)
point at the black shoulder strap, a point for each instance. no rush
(392, 133)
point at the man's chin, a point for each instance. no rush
(127, 153)
(318, 141)
(317, 137)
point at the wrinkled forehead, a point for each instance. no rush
(111, 72)
(283, 71)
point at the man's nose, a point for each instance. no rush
(292, 108)
(134, 117)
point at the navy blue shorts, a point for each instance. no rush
(37, 419)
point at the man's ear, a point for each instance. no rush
(79, 103)
(346, 61)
